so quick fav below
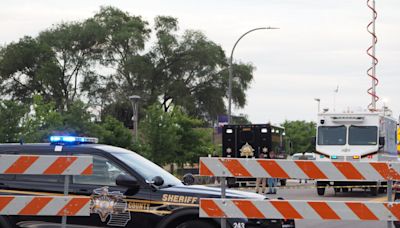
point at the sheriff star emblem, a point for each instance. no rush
(247, 150)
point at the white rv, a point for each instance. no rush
(369, 136)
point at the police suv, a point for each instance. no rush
(126, 189)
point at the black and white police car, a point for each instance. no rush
(151, 197)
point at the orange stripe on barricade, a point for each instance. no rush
(386, 172)
(324, 210)
(21, 164)
(273, 168)
(311, 170)
(60, 165)
(394, 208)
(35, 206)
(74, 206)
(348, 170)
(5, 200)
(248, 208)
(211, 208)
(88, 170)
(361, 211)
(286, 209)
(235, 167)
(204, 171)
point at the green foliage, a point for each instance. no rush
(160, 134)
(173, 137)
(113, 132)
(299, 133)
(11, 113)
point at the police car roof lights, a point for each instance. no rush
(72, 140)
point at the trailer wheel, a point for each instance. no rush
(345, 189)
(336, 189)
(283, 182)
(320, 188)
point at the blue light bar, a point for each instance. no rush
(334, 157)
(72, 140)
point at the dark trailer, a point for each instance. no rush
(253, 141)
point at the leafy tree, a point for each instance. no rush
(173, 136)
(160, 134)
(52, 64)
(299, 133)
(192, 70)
(113, 132)
(194, 141)
(11, 113)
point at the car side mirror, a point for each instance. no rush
(188, 179)
(127, 181)
(381, 141)
(157, 181)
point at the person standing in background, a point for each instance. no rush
(261, 182)
(271, 181)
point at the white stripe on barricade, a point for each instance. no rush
(328, 170)
(299, 209)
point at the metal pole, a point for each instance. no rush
(390, 198)
(223, 195)
(136, 120)
(373, 54)
(66, 190)
(231, 70)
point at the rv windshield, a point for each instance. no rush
(363, 135)
(332, 135)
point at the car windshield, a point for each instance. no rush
(363, 135)
(332, 135)
(147, 169)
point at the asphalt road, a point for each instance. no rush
(308, 192)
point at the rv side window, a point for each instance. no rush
(363, 135)
(332, 135)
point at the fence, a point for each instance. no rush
(299, 209)
(46, 205)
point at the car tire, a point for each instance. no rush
(345, 189)
(283, 182)
(337, 190)
(196, 224)
(321, 189)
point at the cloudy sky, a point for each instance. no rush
(320, 45)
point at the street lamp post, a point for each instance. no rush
(135, 114)
(231, 70)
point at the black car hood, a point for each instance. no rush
(202, 191)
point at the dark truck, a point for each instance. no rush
(251, 140)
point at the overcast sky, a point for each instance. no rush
(320, 45)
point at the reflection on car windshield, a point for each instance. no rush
(147, 169)
(363, 135)
(332, 135)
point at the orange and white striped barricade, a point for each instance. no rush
(46, 165)
(45, 205)
(296, 209)
(299, 209)
(327, 170)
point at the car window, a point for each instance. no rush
(105, 173)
